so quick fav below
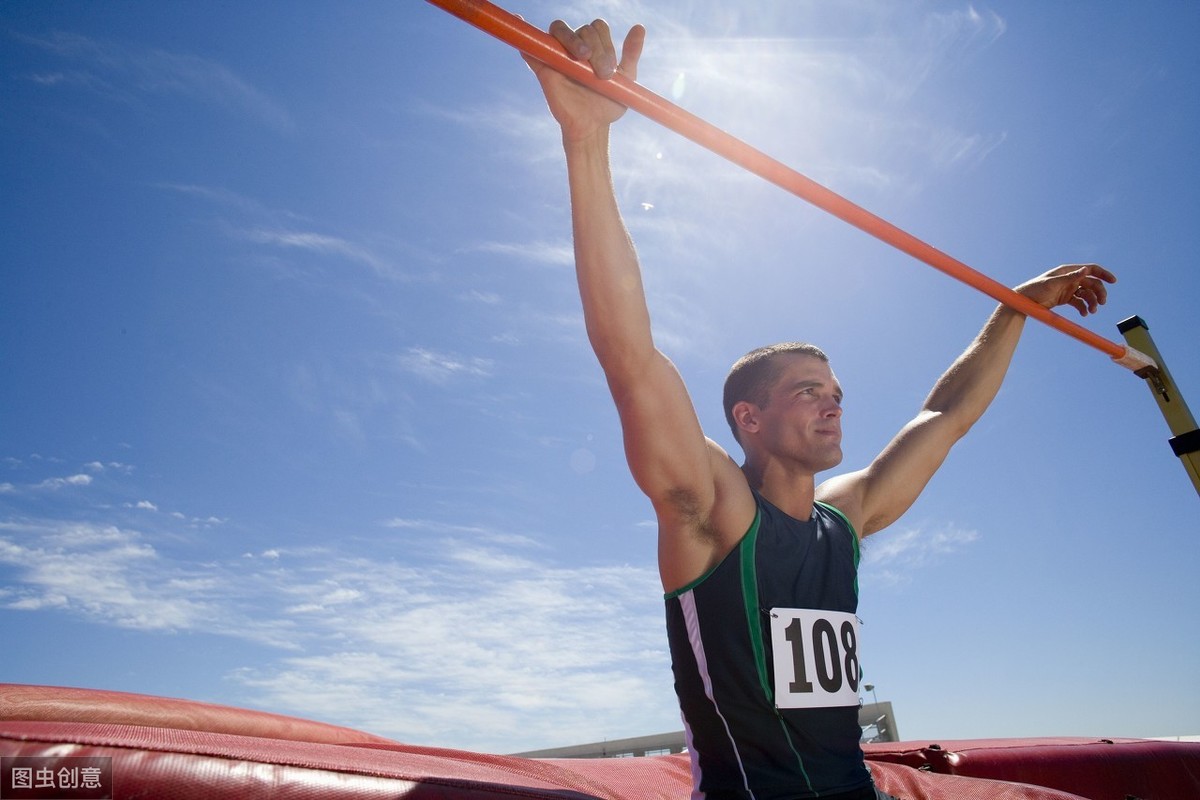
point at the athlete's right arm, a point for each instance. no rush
(670, 458)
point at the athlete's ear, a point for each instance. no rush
(745, 416)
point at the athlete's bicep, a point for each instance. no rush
(664, 443)
(878, 495)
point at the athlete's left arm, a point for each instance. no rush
(876, 496)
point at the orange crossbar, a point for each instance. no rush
(514, 31)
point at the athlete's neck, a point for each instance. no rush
(790, 492)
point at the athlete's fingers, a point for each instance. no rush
(602, 54)
(631, 51)
(575, 46)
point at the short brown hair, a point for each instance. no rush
(751, 376)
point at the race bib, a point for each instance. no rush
(816, 658)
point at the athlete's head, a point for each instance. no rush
(752, 376)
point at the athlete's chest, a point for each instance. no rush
(804, 564)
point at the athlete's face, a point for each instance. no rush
(802, 420)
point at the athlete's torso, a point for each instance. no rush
(719, 631)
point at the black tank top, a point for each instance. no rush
(718, 628)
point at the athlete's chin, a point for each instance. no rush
(832, 458)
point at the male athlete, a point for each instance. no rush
(758, 562)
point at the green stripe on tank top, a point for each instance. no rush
(746, 550)
(754, 622)
(853, 539)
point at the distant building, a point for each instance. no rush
(654, 745)
(877, 721)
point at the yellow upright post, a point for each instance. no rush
(1186, 439)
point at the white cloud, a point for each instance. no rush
(321, 244)
(122, 72)
(441, 368)
(439, 530)
(461, 649)
(450, 638)
(99, 466)
(539, 252)
(892, 557)
(228, 199)
(102, 572)
(59, 483)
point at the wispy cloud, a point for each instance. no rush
(60, 483)
(247, 207)
(320, 244)
(55, 483)
(125, 71)
(893, 557)
(539, 252)
(102, 572)
(431, 631)
(441, 368)
(463, 648)
(956, 34)
(425, 527)
(102, 466)
(281, 230)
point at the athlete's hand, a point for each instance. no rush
(580, 111)
(1081, 286)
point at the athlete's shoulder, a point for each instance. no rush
(844, 493)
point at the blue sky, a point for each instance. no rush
(298, 413)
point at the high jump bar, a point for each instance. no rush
(540, 45)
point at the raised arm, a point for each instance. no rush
(875, 497)
(670, 458)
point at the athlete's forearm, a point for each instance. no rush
(606, 265)
(969, 386)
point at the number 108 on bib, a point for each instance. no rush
(816, 658)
